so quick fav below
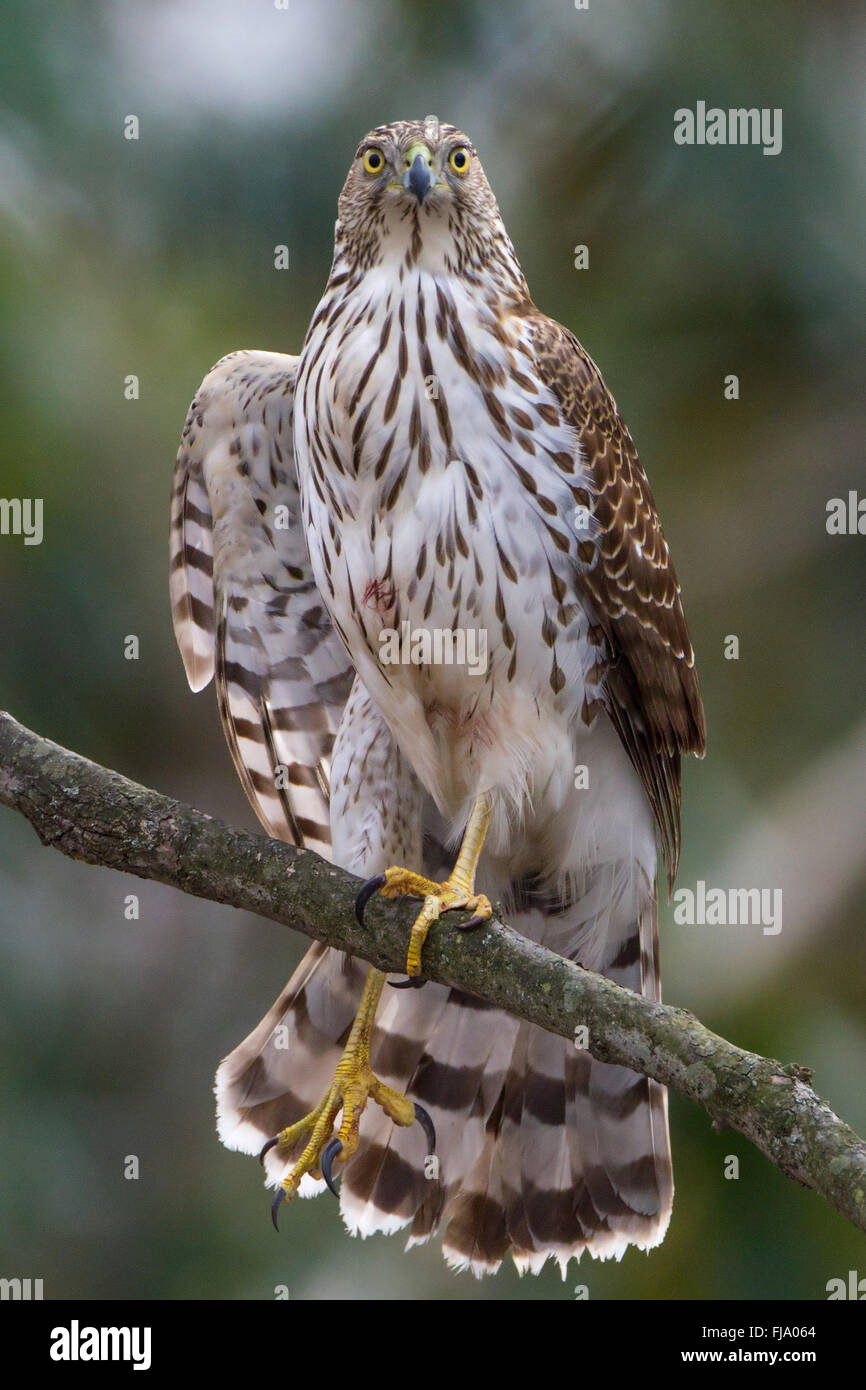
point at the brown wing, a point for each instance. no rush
(651, 685)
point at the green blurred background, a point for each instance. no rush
(155, 257)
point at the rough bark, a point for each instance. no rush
(99, 816)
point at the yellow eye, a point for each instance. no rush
(458, 160)
(374, 161)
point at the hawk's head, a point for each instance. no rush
(416, 191)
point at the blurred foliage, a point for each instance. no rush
(155, 257)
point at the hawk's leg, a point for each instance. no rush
(354, 1081)
(353, 1085)
(458, 890)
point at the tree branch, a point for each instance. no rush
(90, 813)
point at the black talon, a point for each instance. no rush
(370, 887)
(427, 1125)
(472, 923)
(411, 982)
(264, 1149)
(330, 1152)
(275, 1206)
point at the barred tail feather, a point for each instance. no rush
(542, 1151)
(577, 1156)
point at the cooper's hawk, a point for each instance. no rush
(443, 463)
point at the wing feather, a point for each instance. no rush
(651, 686)
(244, 601)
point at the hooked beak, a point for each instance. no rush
(419, 177)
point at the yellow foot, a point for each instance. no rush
(458, 890)
(353, 1085)
(454, 893)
